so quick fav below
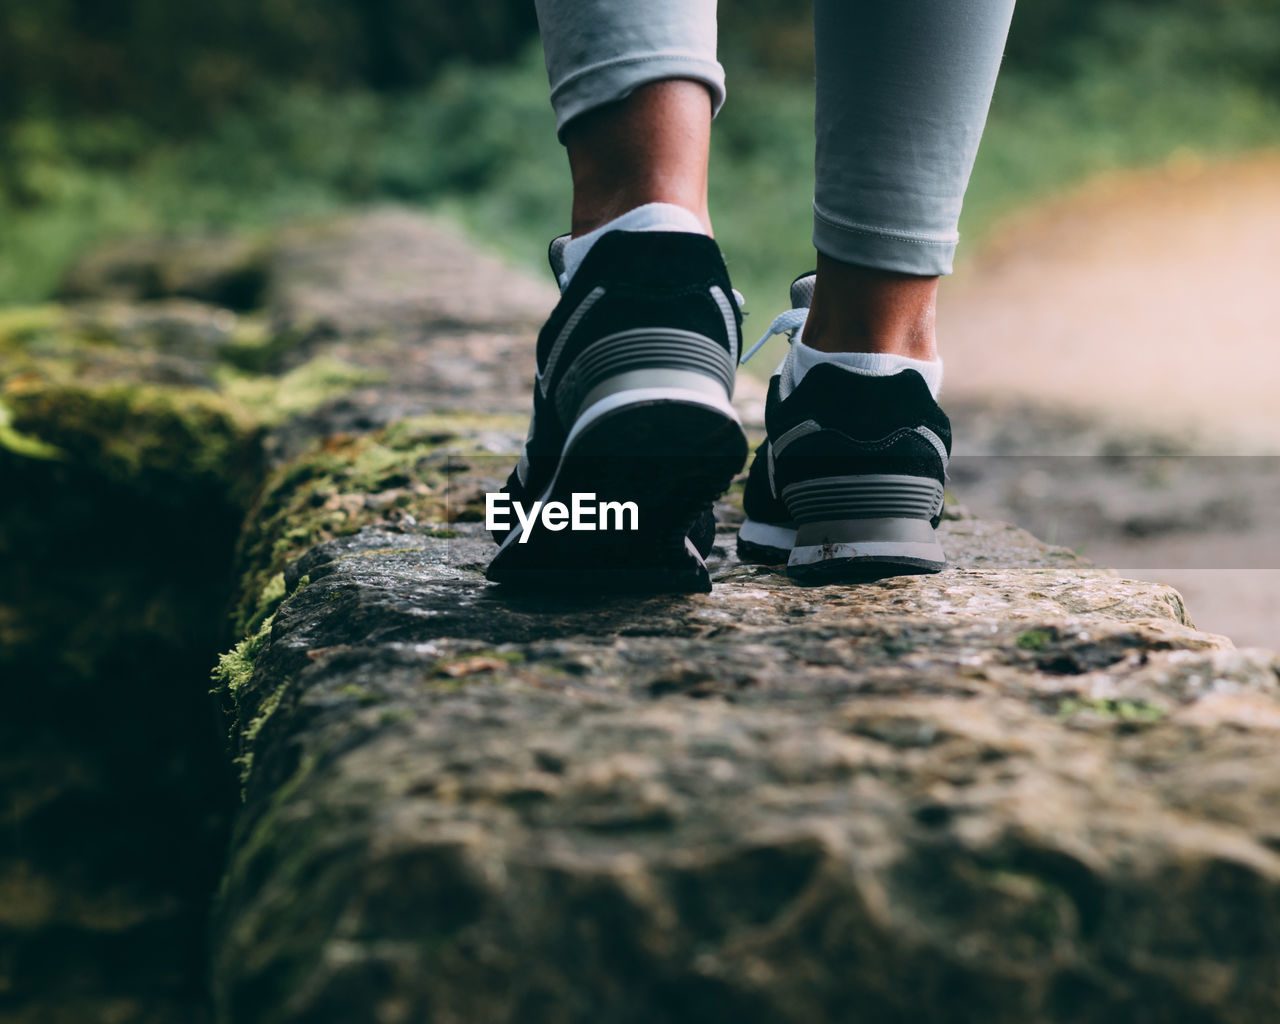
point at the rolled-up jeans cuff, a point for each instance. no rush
(882, 248)
(615, 79)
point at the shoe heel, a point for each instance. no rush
(866, 526)
(670, 454)
(645, 359)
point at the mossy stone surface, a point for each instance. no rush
(1024, 789)
(135, 429)
(996, 792)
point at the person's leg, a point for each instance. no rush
(850, 480)
(634, 87)
(903, 93)
(635, 365)
(600, 51)
(650, 147)
(639, 164)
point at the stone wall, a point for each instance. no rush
(1022, 790)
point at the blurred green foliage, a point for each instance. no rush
(332, 105)
(176, 65)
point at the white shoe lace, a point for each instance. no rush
(784, 323)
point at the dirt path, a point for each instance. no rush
(1152, 295)
(1145, 301)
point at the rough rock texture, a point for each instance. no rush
(1022, 790)
(229, 271)
(137, 421)
(1025, 789)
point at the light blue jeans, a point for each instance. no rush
(903, 92)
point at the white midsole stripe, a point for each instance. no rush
(811, 554)
(662, 381)
(637, 396)
(767, 535)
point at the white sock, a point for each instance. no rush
(873, 364)
(650, 217)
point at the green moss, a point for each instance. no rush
(130, 333)
(1111, 710)
(378, 552)
(155, 439)
(69, 390)
(23, 444)
(511, 657)
(232, 676)
(321, 494)
(269, 599)
(20, 324)
(168, 444)
(253, 348)
(265, 710)
(235, 668)
(263, 834)
(1034, 640)
(275, 399)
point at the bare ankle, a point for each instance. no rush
(861, 309)
(651, 147)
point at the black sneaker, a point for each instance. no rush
(631, 404)
(848, 484)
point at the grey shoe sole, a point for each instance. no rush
(852, 528)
